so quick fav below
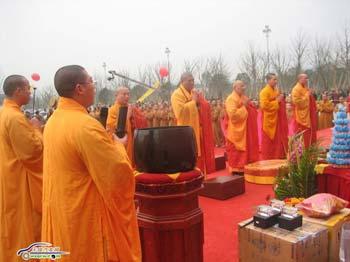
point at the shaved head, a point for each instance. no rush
(121, 88)
(300, 76)
(186, 75)
(122, 95)
(303, 79)
(187, 81)
(271, 79)
(67, 78)
(239, 87)
(12, 83)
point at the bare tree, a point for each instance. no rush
(281, 65)
(253, 66)
(322, 61)
(344, 56)
(299, 48)
(45, 95)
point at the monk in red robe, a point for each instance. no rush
(191, 109)
(305, 110)
(274, 120)
(242, 133)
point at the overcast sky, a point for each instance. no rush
(42, 35)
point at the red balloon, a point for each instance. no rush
(163, 72)
(35, 76)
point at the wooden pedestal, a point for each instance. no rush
(170, 221)
(223, 187)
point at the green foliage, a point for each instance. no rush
(298, 180)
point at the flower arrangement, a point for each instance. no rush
(297, 180)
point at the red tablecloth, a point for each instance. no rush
(335, 181)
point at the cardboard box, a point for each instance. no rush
(334, 224)
(305, 244)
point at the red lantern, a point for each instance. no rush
(163, 72)
(35, 76)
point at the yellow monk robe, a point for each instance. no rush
(302, 113)
(272, 146)
(149, 116)
(111, 124)
(21, 151)
(186, 112)
(236, 132)
(164, 120)
(325, 108)
(88, 193)
(156, 118)
(301, 101)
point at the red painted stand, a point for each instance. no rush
(170, 221)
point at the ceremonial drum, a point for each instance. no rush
(264, 172)
(165, 149)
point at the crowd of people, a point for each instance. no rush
(68, 179)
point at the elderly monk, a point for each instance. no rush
(134, 118)
(325, 108)
(88, 193)
(21, 151)
(242, 134)
(274, 120)
(305, 110)
(191, 109)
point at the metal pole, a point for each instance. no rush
(34, 100)
(267, 31)
(104, 65)
(167, 51)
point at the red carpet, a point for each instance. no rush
(221, 219)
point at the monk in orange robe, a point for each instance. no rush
(242, 133)
(325, 108)
(149, 116)
(21, 163)
(88, 188)
(191, 109)
(274, 121)
(134, 118)
(305, 112)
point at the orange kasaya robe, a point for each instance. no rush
(88, 190)
(305, 113)
(136, 120)
(274, 124)
(325, 109)
(199, 118)
(21, 163)
(242, 133)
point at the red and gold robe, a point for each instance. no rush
(242, 133)
(274, 124)
(305, 113)
(199, 118)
